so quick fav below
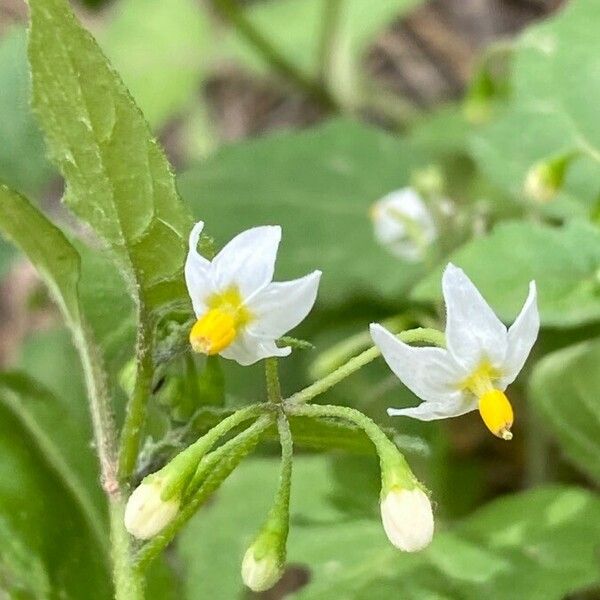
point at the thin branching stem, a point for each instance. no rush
(231, 11)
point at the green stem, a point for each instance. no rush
(129, 583)
(330, 20)
(272, 377)
(338, 354)
(419, 335)
(186, 462)
(136, 408)
(234, 14)
(394, 468)
(215, 468)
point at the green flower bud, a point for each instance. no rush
(546, 178)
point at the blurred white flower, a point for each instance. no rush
(240, 311)
(404, 225)
(407, 518)
(481, 359)
(146, 514)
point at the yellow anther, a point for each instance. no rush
(497, 413)
(213, 332)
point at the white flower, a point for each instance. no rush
(146, 514)
(260, 574)
(240, 311)
(403, 224)
(407, 518)
(481, 359)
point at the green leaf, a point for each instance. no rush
(23, 163)
(564, 262)
(118, 179)
(159, 46)
(43, 513)
(554, 79)
(61, 431)
(319, 185)
(541, 543)
(565, 389)
(45, 246)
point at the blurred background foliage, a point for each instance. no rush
(304, 113)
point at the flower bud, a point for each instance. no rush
(546, 178)
(404, 225)
(146, 513)
(407, 518)
(262, 566)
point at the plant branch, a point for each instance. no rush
(234, 14)
(216, 467)
(327, 42)
(136, 407)
(411, 336)
(272, 377)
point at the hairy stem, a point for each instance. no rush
(215, 468)
(419, 335)
(272, 377)
(136, 407)
(129, 583)
(234, 14)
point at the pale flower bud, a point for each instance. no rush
(546, 178)
(403, 224)
(146, 514)
(407, 518)
(261, 570)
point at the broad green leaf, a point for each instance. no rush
(563, 261)
(45, 246)
(38, 506)
(23, 163)
(565, 390)
(319, 185)
(551, 109)
(159, 46)
(118, 179)
(541, 543)
(60, 428)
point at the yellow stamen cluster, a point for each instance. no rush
(218, 327)
(494, 407)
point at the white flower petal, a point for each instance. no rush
(197, 272)
(248, 260)
(473, 331)
(430, 411)
(247, 349)
(430, 373)
(281, 306)
(521, 337)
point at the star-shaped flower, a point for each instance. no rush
(480, 360)
(240, 311)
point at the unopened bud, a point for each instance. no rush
(546, 178)
(404, 225)
(407, 518)
(262, 566)
(146, 513)
(428, 181)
